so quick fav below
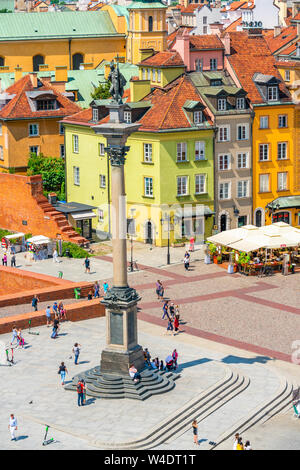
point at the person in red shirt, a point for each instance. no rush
(176, 324)
(80, 392)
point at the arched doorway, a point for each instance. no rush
(37, 61)
(258, 218)
(223, 222)
(77, 59)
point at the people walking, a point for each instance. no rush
(13, 427)
(170, 325)
(14, 335)
(195, 431)
(34, 302)
(80, 392)
(86, 263)
(55, 256)
(175, 358)
(4, 260)
(158, 288)
(13, 261)
(165, 310)
(172, 310)
(76, 351)
(235, 443)
(186, 261)
(20, 338)
(55, 328)
(96, 290)
(62, 371)
(176, 324)
(48, 315)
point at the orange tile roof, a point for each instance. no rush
(19, 107)
(287, 35)
(178, 32)
(191, 8)
(206, 41)
(233, 26)
(289, 49)
(250, 55)
(234, 6)
(288, 63)
(164, 59)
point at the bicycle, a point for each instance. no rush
(132, 266)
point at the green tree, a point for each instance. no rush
(51, 169)
(101, 92)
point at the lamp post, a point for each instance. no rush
(273, 208)
(131, 243)
(167, 218)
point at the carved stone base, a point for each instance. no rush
(118, 362)
(120, 296)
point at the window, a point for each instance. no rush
(75, 143)
(158, 76)
(282, 150)
(62, 151)
(34, 149)
(1, 153)
(282, 120)
(182, 186)
(272, 93)
(242, 189)
(263, 152)
(204, 19)
(242, 220)
(61, 129)
(2, 61)
(281, 217)
(224, 134)
(224, 191)
(200, 184)
(76, 175)
(45, 105)
(33, 130)
(282, 181)
(222, 104)
(181, 152)
(198, 117)
(264, 183)
(148, 187)
(224, 162)
(144, 74)
(37, 60)
(150, 24)
(240, 103)
(95, 114)
(127, 117)
(200, 150)
(198, 65)
(0, 129)
(242, 160)
(287, 75)
(204, 29)
(77, 60)
(102, 181)
(213, 64)
(101, 149)
(149, 74)
(148, 153)
(100, 215)
(242, 132)
(264, 122)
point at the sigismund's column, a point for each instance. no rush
(122, 348)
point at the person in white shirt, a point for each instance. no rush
(55, 257)
(236, 439)
(13, 427)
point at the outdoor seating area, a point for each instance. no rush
(256, 251)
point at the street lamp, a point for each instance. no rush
(131, 242)
(167, 218)
(273, 208)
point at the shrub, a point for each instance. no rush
(75, 250)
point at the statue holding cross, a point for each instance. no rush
(118, 82)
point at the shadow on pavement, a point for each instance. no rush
(197, 362)
(246, 360)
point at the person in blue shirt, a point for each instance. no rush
(105, 287)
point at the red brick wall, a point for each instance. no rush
(75, 312)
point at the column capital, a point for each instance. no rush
(116, 154)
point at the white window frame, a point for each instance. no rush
(243, 189)
(222, 104)
(221, 161)
(101, 147)
(265, 151)
(264, 120)
(61, 129)
(95, 114)
(148, 74)
(222, 186)
(76, 175)
(240, 103)
(75, 143)
(221, 134)
(100, 215)
(158, 75)
(282, 149)
(242, 160)
(128, 117)
(200, 150)
(102, 181)
(273, 93)
(30, 128)
(214, 62)
(144, 74)
(147, 152)
(181, 148)
(262, 185)
(201, 184)
(287, 75)
(282, 117)
(182, 181)
(34, 146)
(148, 186)
(244, 129)
(198, 117)
(282, 184)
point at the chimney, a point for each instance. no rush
(226, 41)
(18, 73)
(182, 46)
(139, 89)
(145, 53)
(277, 31)
(61, 73)
(33, 78)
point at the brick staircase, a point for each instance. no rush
(63, 227)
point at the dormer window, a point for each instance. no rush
(273, 93)
(95, 115)
(198, 117)
(45, 105)
(240, 103)
(221, 104)
(216, 82)
(127, 117)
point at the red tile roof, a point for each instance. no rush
(191, 8)
(178, 32)
(19, 106)
(250, 55)
(234, 25)
(164, 59)
(288, 63)
(287, 35)
(234, 6)
(206, 41)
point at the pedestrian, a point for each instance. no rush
(96, 290)
(236, 438)
(80, 392)
(170, 326)
(158, 287)
(161, 291)
(156, 362)
(195, 431)
(86, 263)
(34, 302)
(48, 315)
(13, 261)
(165, 310)
(13, 427)
(240, 445)
(14, 335)
(176, 324)
(55, 308)
(172, 310)
(186, 261)
(90, 295)
(175, 358)
(161, 367)
(84, 391)
(4, 260)
(20, 338)
(55, 256)
(55, 328)
(62, 312)
(62, 371)
(105, 287)
(248, 446)
(76, 351)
